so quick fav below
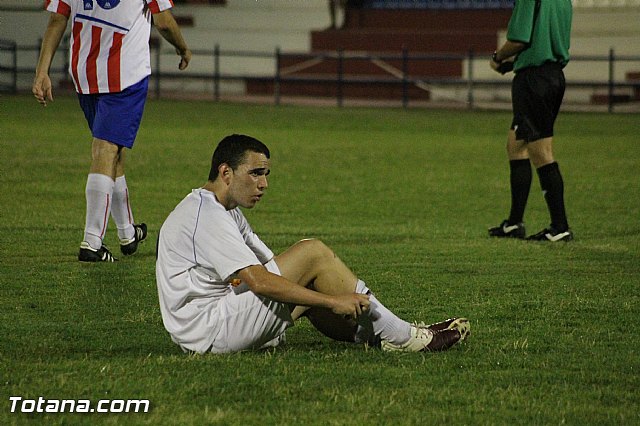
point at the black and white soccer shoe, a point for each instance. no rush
(128, 247)
(551, 234)
(89, 254)
(506, 230)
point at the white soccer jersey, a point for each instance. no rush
(200, 246)
(109, 49)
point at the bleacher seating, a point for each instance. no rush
(299, 27)
(599, 25)
(391, 31)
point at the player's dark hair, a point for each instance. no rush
(232, 151)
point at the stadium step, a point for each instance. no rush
(632, 94)
(419, 33)
(357, 87)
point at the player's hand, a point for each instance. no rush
(350, 305)
(185, 58)
(503, 66)
(41, 89)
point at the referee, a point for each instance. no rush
(537, 50)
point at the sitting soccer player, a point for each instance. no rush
(222, 290)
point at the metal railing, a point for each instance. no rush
(397, 76)
(9, 66)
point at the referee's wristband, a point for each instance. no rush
(494, 58)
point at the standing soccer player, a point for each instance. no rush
(537, 48)
(110, 68)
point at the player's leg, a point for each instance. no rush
(121, 209)
(129, 233)
(98, 194)
(552, 185)
(519, 166)
(114, 120)
(520, 184)
(312, 264)
(548, 87)
(519, 177)
(99, 187)
(541, 152)
(104, 156)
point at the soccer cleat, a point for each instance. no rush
(128, 247)
(551, 234)
(275, 342)
(419, 339)
(507, 230)
(443, 340)
(423, 339)
(89, 254)
(461, 324)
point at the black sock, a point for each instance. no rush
(553, 190)
(520, 179)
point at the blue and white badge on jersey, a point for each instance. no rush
(88, 4)
(108, 4)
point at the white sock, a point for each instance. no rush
(121, 209)
(98, 192)
(385, 323)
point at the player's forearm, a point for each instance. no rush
(509, 49)
(170, 31)
(274, 287)
(52, 37)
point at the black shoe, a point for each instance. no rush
(507, 230)
(551, 234)
(128, 247)
(89, 254)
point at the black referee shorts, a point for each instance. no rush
(536, 96)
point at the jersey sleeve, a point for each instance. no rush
(157, 6)
(58, 6)
(259, 248)
(520, 26)
(220, 246)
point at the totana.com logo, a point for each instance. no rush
(42, 405)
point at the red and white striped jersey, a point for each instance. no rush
(109, 49)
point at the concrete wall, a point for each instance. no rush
(264, 25)
(243, 25)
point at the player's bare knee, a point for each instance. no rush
(317, 251)
(104, 151)
(542, 159)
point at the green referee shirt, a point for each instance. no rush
(546, 31)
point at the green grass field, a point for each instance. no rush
(404, 197)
